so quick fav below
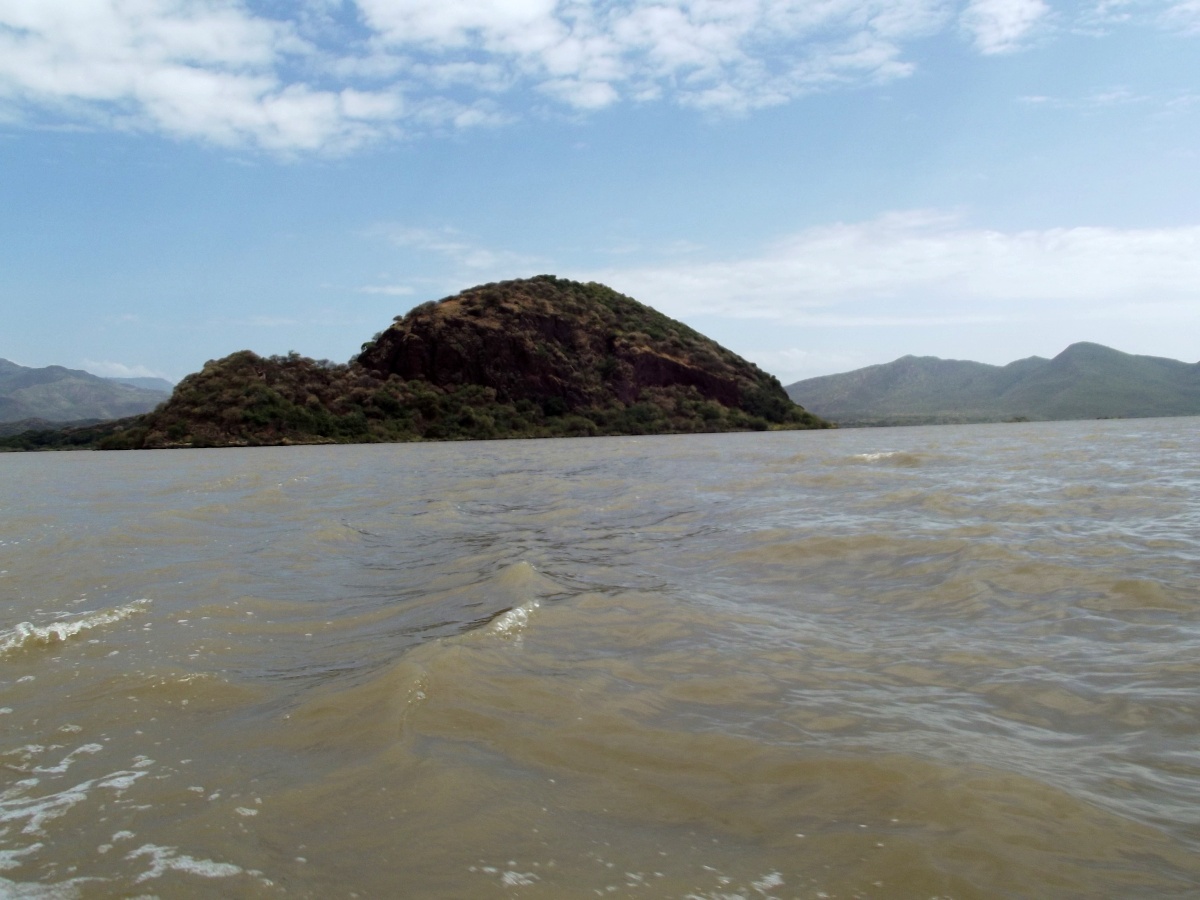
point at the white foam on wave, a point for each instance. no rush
(11, 859)
(513, 623)
(16, 806)
(66, 761)
(904, 459)
(166, 859)
(65, 890)
(509, 878)
(26, 634)
(517, 879)
(767, 882)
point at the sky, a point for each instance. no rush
(819, 185)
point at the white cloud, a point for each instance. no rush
(582, 94)
(316, 76)
(1113, 97)
(441, 24)
(734, 54)
(388, 290)
(209, 70)
(879, 272)
(463, 254)
(793, 364)
(1002, 26)
(1104, 16)
(109, 369)
(1183, 16)
(224, 72)
(838, 297)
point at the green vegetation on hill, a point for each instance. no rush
(1085, 381)
(542, 357)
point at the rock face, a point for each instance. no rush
(566, 346)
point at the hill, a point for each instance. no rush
(57, 395)
(540, 357)
(1085, 381)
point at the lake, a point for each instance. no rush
(944, 662)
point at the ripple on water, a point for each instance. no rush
(904, 663)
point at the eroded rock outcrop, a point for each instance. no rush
(565, 344)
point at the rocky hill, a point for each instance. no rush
(569, 346)
(1085, 381)
(56, 394)
(540, 357)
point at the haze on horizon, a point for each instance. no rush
(817, 186)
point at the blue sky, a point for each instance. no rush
(819, 186)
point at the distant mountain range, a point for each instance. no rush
(55, 394)
(149, 384)
(1085, 381)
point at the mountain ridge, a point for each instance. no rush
(1084, 381)
(59, 394)
(140, 381)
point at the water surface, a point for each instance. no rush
(925, 662)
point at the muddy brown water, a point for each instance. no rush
(953, 662)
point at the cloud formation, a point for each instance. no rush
(320, 76)
(455, 248)
(209, 70)
(878, 272)
(109, 369)
(1002, 26)
(1183, 16)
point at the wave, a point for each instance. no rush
(26, 634)
(519, 581)
(374, 709)
(900, 458)
(512, 622)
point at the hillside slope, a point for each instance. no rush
(539, 357)
(1084, 381)
(569, 346)
(58, 394)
